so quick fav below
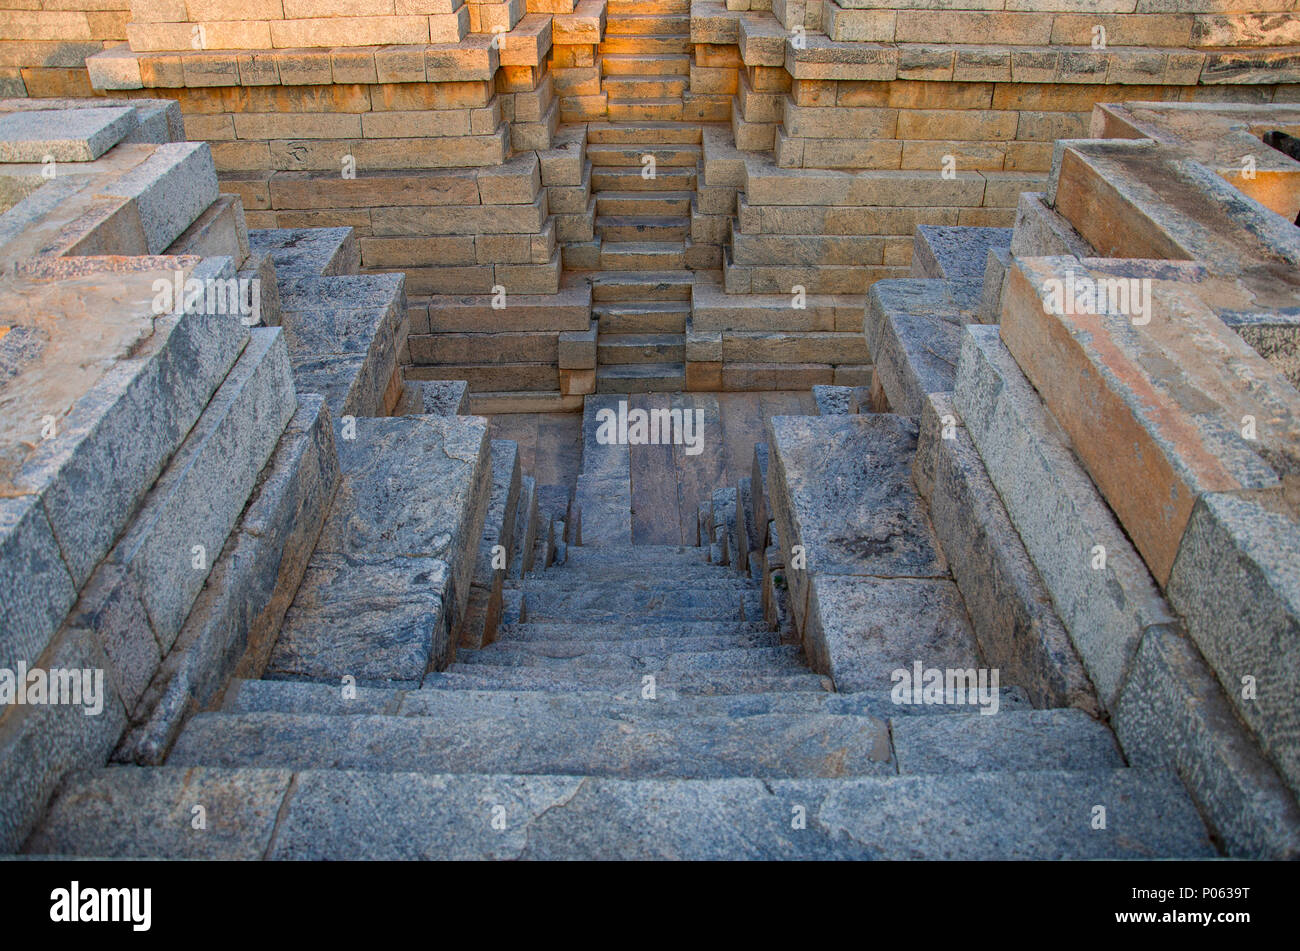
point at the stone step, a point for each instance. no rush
(654, 24)
(600, 602)
(639, 348)
(577, 631)
(641, 378)
(771, 745)
(613, 578)
(125, 812)
(642, 317)
(616, 179)
(645, 132)
(674, 64)
(642, 286)
(645, 45)
(760, 660)
(639, 7)
(391, 573)
(637, 556)
(487, 677)
(663, 109)
(555, 647)
(643, 256)
(643, 228)
(656, 204)
(603, 155)
(283, 696)
(630, 87)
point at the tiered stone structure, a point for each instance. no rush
(1056, 437)
(797, 146)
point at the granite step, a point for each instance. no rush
(641, 378)
(650, 644)
(639, 348)
(651, 256)
(530, 632)
(642, 286)
(128, 812)
(280, 696)
(643, 228)
(642, 317)
(630, 86)
(486, 677)
(773, 745)
(673, 178)
(658, 204)
(645, 131)
(612, 576)
(601, 603)
(654, 24)
(763, 660)
(636, 557)
(673, 64)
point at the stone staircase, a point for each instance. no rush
(645, 162)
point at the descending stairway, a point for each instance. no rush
(644, 167)
(636, 703)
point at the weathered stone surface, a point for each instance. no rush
(1010, 610)
(1150, 383)
(1173, 714)
(63, 135)
(373, 617)
(1058, 513)
(1236, 584)
(436, 398)
(35, 588)
(125, 812)
(169, 190)
(1026, 739)
(199, 497)
(772, 745)
(852, 511)
(913, 330)
(860, 630)
(308, 252)
(106, 454)
(39, 743)
(955, 254)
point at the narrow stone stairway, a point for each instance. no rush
(644, 167)
(643, 701)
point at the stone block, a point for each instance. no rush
(955, 254)
(62, 135)
(173, 541)
(1099, 585)
(169, 190)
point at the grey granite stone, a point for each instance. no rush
(113, 443)
(36, 590)
(995, 277)
(376, 617)
(840, 489)
(1236, 583)
(487, 677)
(1022, 740)
(769, 745)
(913, 329)
(836, 400)
(236, 617)
(1016, 815)
(308, 252)
(644, 601)
(773, 660)
(129, 812)
(39, 743)
(1017, 629)
(64, 135)
(198, 499)
(859, 630)
(524, 533)
(170, 189)
(112, 610)
(378, 512)
(1058, 513)
(1173, 714)
(955, 253)
(436, 398)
